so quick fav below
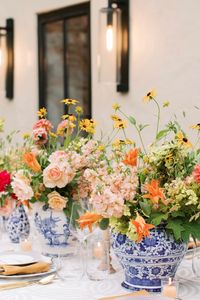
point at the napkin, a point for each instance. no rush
(39, 267)
(139, 293)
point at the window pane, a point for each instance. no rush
(78, 60)
(54, 70)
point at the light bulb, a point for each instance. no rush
(109, 38)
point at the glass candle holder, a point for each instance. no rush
(170, 288)
(97, 266)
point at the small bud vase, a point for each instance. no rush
(18, 225)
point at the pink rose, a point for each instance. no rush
(196, 173)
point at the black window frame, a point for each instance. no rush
(57, 15)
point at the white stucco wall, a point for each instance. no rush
(164, 54)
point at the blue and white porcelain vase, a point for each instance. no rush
(18, 225)
(52, 230)
(146, 263)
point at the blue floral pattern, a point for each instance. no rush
(18, 225)
(146, 263)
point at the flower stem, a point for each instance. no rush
(158, 117)
(137, 129)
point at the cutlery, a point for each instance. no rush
(14, 285)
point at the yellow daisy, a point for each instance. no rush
(115, 118)
(183, 140)
(116, 106)
(120, 124)
(101, 147)
(52, 134)
(79, 109)
(197, 126)
(26, 135)
(69, 101)
(150, 95)
(42, 112)
(87, 125)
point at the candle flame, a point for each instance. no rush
(170, 281)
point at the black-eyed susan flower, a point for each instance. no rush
(116, 106)
(169, 158)
(42, 112)
(197, 126)
(69, 101)
(115, 118)
(120, 124)
(79, 110)
(183, 140)
(150, 95)
(87, 125)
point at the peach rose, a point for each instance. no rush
(57, 175)
(56, 201)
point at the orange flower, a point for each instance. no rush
(131, 157)
(88, 219)
(142, 228)
(31, 161)
(155, 192)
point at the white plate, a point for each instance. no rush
(17, 259)
(146, 298)
(52, 270)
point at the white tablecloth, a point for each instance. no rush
(85, 289)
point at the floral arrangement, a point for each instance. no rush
(137, 188)
(51, 163)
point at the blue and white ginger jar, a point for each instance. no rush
(146, 263)
(52, 230)
(18, 226)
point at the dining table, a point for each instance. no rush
(85, 289)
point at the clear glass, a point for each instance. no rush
(81, 235)
(196, 259)
(170, 288)
(110, 42)
(97, 256)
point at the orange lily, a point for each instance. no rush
(142, 227)
(31, 161)
(88, 219)
(155, 192)
(131, 157)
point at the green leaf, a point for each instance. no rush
(184, 114)
(132, 120)
(67, 141)
(104, 223)
(185, 235)
(146, 207)
(176, 227)
(141, 126)
(162, 134)
(157, 219)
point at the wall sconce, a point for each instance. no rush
(7, 32)
(114, 44)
